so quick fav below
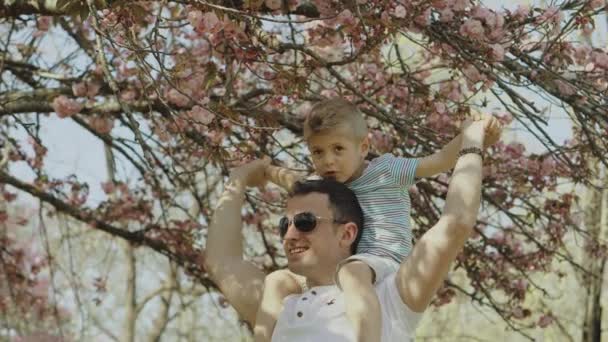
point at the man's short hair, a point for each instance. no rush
(342, 200)
(330, 114)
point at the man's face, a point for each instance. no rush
(337, 154)
(314, 254)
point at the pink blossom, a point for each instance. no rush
(177, 98)
(102, 124)
(273, 4)
(324, 7)
(79, 89)
(399, 12)
(330, 53)
(498, 52)
(109, 18)
(515, 150)
(293, 4)
(212, 22)
(216, 137)
(472, 28)
(424, 19)
(380, 141)
(522, 12)
(552, 15)
(499, 20)
(204, 22)
(128, 95)
(38, 336)
(588, 30)
(161, 133)
(329, 93)
(458, 5)
(547, 167)
(581, 53)
(201, 115)
(545, 320)
(401, 92)
(302, 110)
(472, 74)
(600, 59)
(422, 75)
(597, 4)
(65, 106)
(195, 81)
(233, 30)
(565, 88)
(271, 195)
(87, 88)
(196, 19)
(446, 15)
(439, 4)
(482, 13)
(92, 88)
(440, 107)
(108, 187)
(44, 22)
(451, 90)
(346, 18)
(385, 17)
(201, 51)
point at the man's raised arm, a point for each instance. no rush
(240, 281)
(422, 273)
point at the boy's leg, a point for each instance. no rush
(277, 285)
(362, 306)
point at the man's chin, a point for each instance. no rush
(297, 266)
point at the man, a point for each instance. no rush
(314, 249)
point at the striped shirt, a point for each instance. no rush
(382, 191)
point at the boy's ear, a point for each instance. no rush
(365, 147)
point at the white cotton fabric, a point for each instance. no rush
(319, 315)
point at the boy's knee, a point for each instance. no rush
(356, 271)
(282, 281)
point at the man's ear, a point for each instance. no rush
(349, 234)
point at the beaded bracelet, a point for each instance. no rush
(468, 150)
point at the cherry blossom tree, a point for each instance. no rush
(180, 92)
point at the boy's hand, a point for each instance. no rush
(253, 173)
(491, 125)
(493, 129)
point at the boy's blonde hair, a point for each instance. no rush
(333, 113)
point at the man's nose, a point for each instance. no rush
(292, 232)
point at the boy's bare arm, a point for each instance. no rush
(282, 177)
(445, 159)
(441, 161)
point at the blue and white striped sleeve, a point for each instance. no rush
(403, 170)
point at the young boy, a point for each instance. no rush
(336, 134)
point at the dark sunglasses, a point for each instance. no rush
(305, 222)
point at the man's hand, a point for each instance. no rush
(252, 174)
(240, 281)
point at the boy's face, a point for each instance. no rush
(338, 154)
